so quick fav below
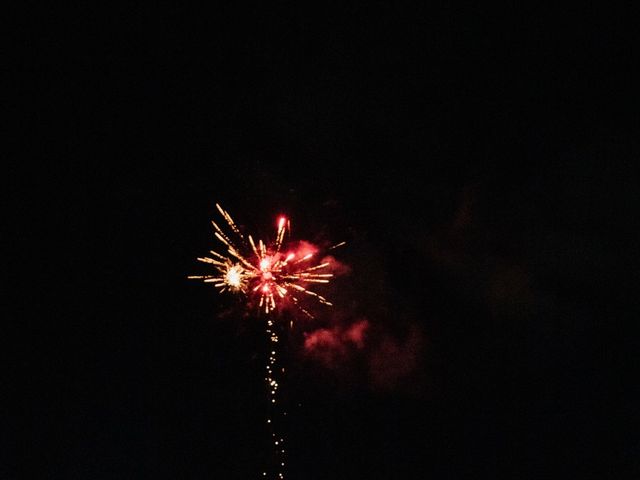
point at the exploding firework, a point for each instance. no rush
(277, 277)
(265, 270)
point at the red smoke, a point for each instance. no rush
(337, 268)
(355, 333)
(389, 360)
(304, 248)
(332, 346)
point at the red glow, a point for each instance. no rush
(322, 338)
(281, 222)
(356, 333)
(338, 338)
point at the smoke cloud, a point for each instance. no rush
(387, 359)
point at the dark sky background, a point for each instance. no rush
(479, 163)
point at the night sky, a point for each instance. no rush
(478, 163)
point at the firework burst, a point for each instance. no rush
(268, 271)
(272, 276)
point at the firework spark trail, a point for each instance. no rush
(275, 278)
(274, 416)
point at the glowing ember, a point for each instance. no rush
(263, 268)
(233, 277)
(265, 264)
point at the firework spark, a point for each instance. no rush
(266, 270)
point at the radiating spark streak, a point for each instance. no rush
(229, 220)
(306, 257)
(209, 260)
(224, 240)
(253, 246)
(220, 233)
(216, 254)
(318, 267)
(281, 230)
(295, 301)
